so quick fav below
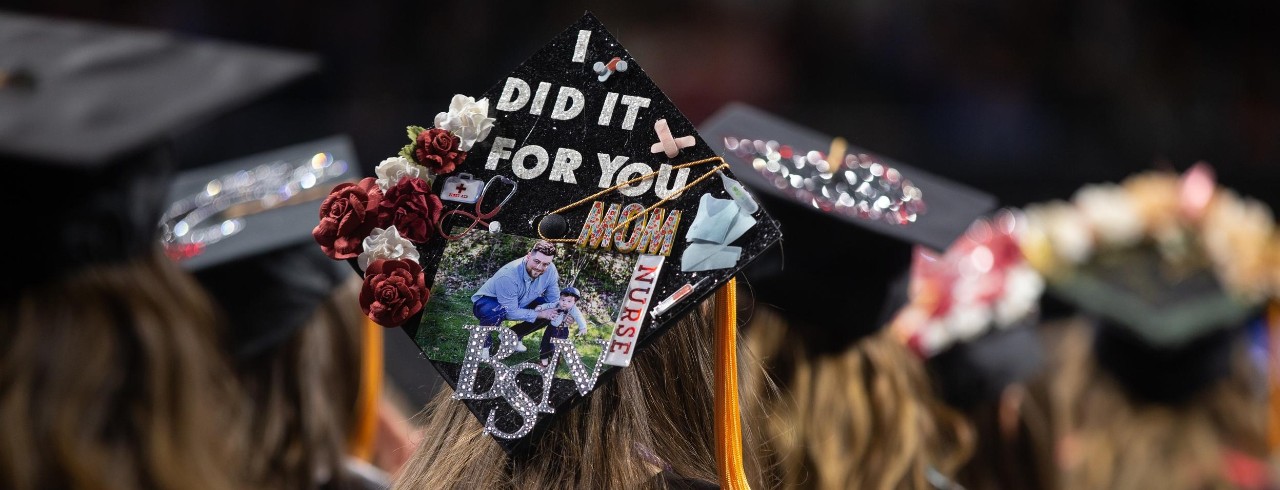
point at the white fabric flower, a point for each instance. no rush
(467, 119)
(391, 170)
(1067, 232)
(386, 244)
(1022, 290)
(934, 338)
(1237, 235)
(1111, 212)
(967, 321)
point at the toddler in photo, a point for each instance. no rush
(556, 328)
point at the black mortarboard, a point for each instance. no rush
(849, 227)
(88, 94)
(244, 228)
(577, 147)
(85, 115)
(978, 371)
(1169, 268)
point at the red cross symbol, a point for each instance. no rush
(666, 143)
(461, 187)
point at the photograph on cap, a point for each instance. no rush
(538, 237)
(478, 283)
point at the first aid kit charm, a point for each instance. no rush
(462, 188)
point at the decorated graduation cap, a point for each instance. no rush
(969, 311)
(573, 173)
(1170, 267)
(980, 283)
(89, 110)
(244, 228)
(850, 218)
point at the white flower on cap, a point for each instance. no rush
(1111, 212)
(391, 170)
(934, 338)
(967, 321)
(1237, 235)
(468, 119)
(386, 244)
(1022, 289)
(1067, 231)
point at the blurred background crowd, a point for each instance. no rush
(1025, 100)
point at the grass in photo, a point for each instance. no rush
(533, 287)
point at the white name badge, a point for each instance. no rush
(626, 331)
(462, 188)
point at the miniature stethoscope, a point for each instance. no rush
(480, 217)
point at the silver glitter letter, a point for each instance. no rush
(515, 94)
(664, 175)
(504, 382)
(478, 354)
(580, 49)
(577, 369)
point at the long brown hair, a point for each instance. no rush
(302, 395)
(1014, 443)
(1108, 439)
(865, 417)
(654, 415)
(111, 379)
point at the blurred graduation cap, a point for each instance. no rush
(850, 226)
(1139, 290)
(1170, 269)
(558, 176)
(971, 310)
(86, 113)
(244, 228)
(977, 371)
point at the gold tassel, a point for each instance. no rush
(366, 417)
(728, 420)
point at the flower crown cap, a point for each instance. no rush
(1184, 217)
(981, 282)
(1168, 258)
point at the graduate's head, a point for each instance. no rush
(539, 258)
(846, 385)
(294, 328)
(569, 297)
(1169, 278)
(132, 331)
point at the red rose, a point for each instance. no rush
(412, 208)
(437, 150)
(394, 291)
(346, 218)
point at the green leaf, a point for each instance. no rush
(407, 153)
(414, 131)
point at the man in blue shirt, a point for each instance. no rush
(518, 288)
